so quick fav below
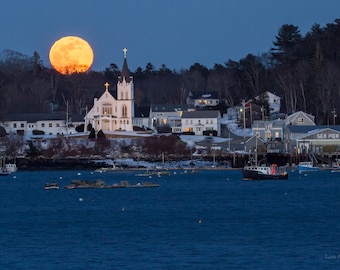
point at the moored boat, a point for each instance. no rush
(4, 172)
(264, 171)
(306, 166)
(3, 169)
(52, 185)
(11, 167)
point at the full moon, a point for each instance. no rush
(71, 54)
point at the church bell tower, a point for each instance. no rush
(125, 97)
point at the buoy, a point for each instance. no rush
(79, 173)
(200, 221)
(123, 209)
(81, 199)
(60, 177)
(227, 179)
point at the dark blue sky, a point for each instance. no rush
(177, 33)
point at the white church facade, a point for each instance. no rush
(114, 114)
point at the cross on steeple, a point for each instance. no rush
(107, 86)
(124, 50)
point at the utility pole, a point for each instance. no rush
(244, 123)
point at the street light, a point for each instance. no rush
(334, 116)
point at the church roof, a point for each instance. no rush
(125, 70)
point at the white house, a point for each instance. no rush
(269, 130)
(300, 119)
(199, 121)
(274, 102)
(170, 115)
(110, 114)
(47, 123)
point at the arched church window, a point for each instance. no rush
(124, 111)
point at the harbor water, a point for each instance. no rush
(210, 220)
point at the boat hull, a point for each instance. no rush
(255, 175)
(307, 169)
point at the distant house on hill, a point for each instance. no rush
(300, 118)
(203, 99)
(274, 101)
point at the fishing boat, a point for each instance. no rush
(264, 171)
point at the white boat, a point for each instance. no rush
(52, 185)
(11, 167)
(336, 164)
(305, 166)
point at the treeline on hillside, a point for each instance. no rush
(303, 70)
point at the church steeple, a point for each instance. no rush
(125, 70)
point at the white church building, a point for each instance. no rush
(111, 114)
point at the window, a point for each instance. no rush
(277, 134)
(57, 125)
(107, 110)
(124, 111)
(300, 120)
(42, 125)
(22, 125)
(50, 125)
(14, 125)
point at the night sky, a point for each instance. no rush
(176, 33)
